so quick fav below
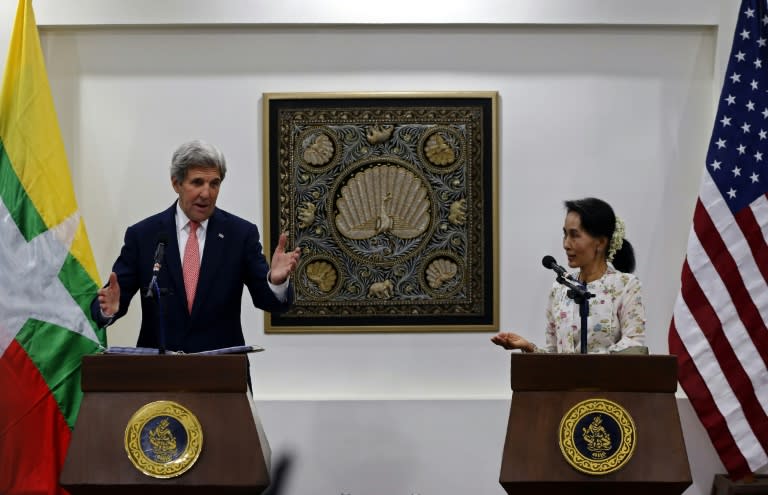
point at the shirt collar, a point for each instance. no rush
(182, 220)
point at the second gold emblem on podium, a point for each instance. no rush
(597, 436)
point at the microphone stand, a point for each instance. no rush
(161, 320)
(153, 286)
(580, 296)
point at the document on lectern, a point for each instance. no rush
(148, 351)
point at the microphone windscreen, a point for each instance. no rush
(548, 261)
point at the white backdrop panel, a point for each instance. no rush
(622, 114)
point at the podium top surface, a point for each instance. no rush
(163, 373)
(603, 372)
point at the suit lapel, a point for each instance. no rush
(213, 253)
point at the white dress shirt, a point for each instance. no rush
(182, 233)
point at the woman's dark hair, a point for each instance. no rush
(598, 220)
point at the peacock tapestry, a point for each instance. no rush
(392, 199)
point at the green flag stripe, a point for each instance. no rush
(55, 351)
(82, 288)
(17, 201)
(60, 370)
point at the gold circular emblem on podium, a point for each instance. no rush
(163, 439)
(597, 436)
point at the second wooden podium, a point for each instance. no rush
(594, 424)
(166, 424)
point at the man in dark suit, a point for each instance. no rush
(210, 255)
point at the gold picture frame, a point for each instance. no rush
(392, 198)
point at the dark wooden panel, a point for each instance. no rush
(229, 438)
(190, 373)
(233, 459)
(532, 452)
(547, 386)
(629, 373)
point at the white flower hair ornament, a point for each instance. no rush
(617, 239)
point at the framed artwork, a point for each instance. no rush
(392, 198)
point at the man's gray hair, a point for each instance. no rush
(197, 153)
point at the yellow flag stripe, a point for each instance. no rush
(30, 134)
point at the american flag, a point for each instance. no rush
(719, 329)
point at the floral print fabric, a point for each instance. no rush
(616, 318)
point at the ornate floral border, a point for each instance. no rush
(392, 198)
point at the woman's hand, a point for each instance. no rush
(509, 340)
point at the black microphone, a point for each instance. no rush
(162, 240)
(549, 262)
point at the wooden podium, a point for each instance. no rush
(546, 387)
(234, 457)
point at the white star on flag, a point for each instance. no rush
(29, 279)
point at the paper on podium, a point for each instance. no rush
(240, 349)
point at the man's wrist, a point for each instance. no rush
(269, 279)
(107, 319)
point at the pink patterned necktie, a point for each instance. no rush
(191, 264)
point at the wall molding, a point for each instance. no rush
(54, 13)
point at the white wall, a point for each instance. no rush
(612, 112)
(612, 99)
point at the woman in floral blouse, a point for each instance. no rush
(593, 239)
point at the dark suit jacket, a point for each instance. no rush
(232, 258)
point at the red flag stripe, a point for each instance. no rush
(737, 378)
(704, 405)
(732, 279)
(31, 427)
(754, 232)
(709, 325)
(734, 340)
(729, 250)
(716, 404)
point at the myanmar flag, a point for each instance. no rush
(47, 276)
